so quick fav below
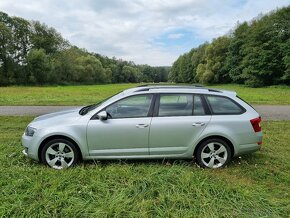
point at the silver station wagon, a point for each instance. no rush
(148, 122)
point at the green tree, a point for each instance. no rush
(47, 38)
(236, 52)
(38, 66)
(89, 70)
(256, 54)
(198, 57)
(263, 63)
(21, 45)
(64, 64)
(174, 74)
(286, 60)
(130, 74)
(5, 51)
(108, 75)
(216, 54)
(185, 68)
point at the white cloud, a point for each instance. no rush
(126, 29)
(175, 36)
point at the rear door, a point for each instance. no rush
(177, 122)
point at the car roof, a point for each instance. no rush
(178, 88)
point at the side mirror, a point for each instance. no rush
(103, 115)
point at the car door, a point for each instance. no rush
(177, 122)
(125, 132)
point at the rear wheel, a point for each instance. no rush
(213, 153)
(59, 154)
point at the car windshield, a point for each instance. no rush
(84, 110)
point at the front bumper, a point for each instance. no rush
(25, 152)
(30, 148)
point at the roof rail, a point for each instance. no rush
(197, 85)
(214, 90)
(174, 84)
(147, 87)
(142, 85)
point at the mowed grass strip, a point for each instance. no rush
(59, 95)
(255, 185)
(89, 94)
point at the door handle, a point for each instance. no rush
(198, 124)
(142, 126)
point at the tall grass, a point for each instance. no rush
(255, 185)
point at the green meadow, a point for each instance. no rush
(255, 185)
(89, 94)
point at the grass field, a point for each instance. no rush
(82, 95)
(255, 185)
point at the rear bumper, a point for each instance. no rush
(253, 142)
(247, 148)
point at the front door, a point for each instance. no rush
(125, 132)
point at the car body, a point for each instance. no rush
(148, 122)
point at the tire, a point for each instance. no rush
(213, 153)
(59, 154)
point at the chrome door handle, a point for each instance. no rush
(142, 126)
(198, 124)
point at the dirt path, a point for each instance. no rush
(274, 112)
(268, 112)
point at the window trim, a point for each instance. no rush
(155, 102)
(149, 114)
(204, 105)
(243, 110)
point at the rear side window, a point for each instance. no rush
(223, 105)
(175, 105)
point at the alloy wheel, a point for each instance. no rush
(59, 155)
(214, 155)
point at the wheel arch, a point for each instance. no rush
(219, 137)
(52, 137)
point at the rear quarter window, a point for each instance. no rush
(223, 105)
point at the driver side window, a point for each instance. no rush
(131, 107)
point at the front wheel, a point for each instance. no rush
(213, 153)
(59, 154)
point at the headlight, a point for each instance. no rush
(29, 131)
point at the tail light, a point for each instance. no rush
(256, 123)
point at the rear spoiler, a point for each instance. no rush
(229, 92)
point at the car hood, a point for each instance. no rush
(56, 118)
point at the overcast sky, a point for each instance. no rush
(144, 31)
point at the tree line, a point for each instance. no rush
(255, 53)
(35, 54)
